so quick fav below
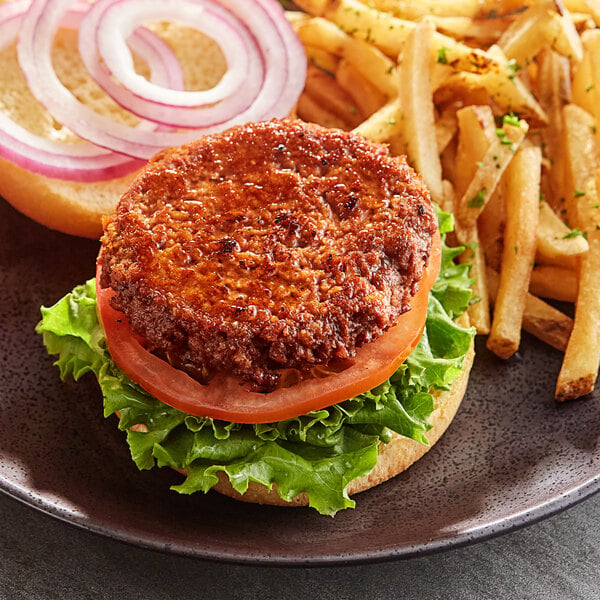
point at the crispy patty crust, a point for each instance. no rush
(272, 245)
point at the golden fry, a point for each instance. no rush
(491, 167)
(389, 33)
(446, 126)
(586, 82)
(522, 196)
(324, 90)
(479, 312)
(413, 9)
(479, 32)
(591, 7)
(366, 96)
(539, 318)
(557, 244)
(383, 125)
(553, 86)
(321, 58)
(477, 130)
(582, 160)
(310, 110)
(418, 110)
(369, 61)
(556, 283)
(491, 224)
(579, 370)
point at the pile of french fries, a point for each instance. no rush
(497, 106)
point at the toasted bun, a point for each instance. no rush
(73, 207)
(394, 457)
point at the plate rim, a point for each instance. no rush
(157, 543)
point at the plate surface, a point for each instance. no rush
(512, 455)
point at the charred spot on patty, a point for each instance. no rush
(273, 245)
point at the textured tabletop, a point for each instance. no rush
(43, 557)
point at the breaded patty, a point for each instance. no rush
(273, 245)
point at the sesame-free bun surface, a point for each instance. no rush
(74, 207)
(394, 457)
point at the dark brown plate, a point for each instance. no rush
(511, 457)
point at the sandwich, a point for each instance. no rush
(275, 314)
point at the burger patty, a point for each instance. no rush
(270, 246)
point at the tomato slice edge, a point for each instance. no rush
(224, 398)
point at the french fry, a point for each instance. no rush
(418, 110)
(326, 92)
(556, 283)
(554, 92)
(524, 38)
(537, 27)
(579, 370)
(477, 130)
(505, 90)
(373, 65)
(556, 243)
(321, 58)
(365, 95)
(389, 33)
(490, 170)
(490, 225)
(592, 7)
(383, 125)
(582, 160)
(413, 9)
(310, 110)
(539, 318)
(479, 312)
(586, 82)
(479, 32)
(522, 196)
(446, 126)
(370, 62)
(447, 204)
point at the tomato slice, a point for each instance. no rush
(224, 398)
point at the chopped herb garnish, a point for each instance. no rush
(511, 119)
(513, 67)
(441, 56)
(478, 200)
(574, 233)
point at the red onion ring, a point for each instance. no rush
(112, 21)
(170, 107)
(283, 56)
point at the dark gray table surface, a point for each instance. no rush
(44, 558)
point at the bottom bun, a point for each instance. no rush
(394, 457)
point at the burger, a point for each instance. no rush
(275, 314)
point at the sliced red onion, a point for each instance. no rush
(261, 20)
(76, 161)
(112, 21)
(109, 22)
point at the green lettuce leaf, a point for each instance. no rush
(319, 453)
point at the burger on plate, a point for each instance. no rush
(275, 314)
